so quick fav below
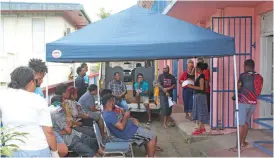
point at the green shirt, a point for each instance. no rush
(143, 87)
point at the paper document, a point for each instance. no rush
(170, 102)
(187, 82)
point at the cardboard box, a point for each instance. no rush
(129, 85)
(129, 94)
(131, 100)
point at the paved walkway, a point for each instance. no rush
(171, 140)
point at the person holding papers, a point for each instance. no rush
(186, 78)
(166, 84)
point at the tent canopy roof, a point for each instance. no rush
(138, 34)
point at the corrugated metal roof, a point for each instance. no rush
(24, 6)
(146, 4)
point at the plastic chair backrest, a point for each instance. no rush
(97, 134)
(106, 128)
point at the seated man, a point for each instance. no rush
(141, 89)
(59, 101)
(87, 102)
(119, 90)
(115, 108)
(59, 93)
(78, 142)
(124, 128)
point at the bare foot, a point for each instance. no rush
(165, 126)
(101, 152)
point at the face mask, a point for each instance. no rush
(37, 85)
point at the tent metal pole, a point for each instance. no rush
(47, 85)
(237, 106)
(98, 85)
(73, 74)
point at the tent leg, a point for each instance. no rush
(47, 86)
(73, 74)
(237, 106)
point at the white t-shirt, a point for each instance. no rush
(28, 111)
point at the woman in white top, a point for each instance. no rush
(24, 111)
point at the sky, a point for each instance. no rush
(92, 7)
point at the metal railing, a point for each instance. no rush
(262, 121)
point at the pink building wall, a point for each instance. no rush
(245, 9)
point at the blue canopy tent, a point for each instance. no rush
(141, 34)
(137, 34)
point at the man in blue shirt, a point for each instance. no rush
(142, 94)
(40, 68)
(123, 127)
(85, 66)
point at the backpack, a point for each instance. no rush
(258, 84)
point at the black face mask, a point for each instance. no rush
(37, 85)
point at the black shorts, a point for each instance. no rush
(87, 122)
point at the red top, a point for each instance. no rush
(183, 77)
(207, 78)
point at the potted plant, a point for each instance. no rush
(6, 135)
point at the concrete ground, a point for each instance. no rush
(170, 140)
(215, 143)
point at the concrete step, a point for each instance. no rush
(186, 127)
(218, 146)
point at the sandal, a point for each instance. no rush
(159, 149)
(235, 149)
(172, 124)
(244, 145)
(148, 122)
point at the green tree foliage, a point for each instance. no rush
(103, 13)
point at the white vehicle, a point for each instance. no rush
(129, 71)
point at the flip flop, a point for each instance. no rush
(234, 149)
(172, 124)
(159, 149)
(148, 122)
(245, 144)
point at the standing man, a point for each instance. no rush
(40, 70)
(142, 94)
(166, 83)
(80, 83)
(119, 90)
(207, 81)
(85, 66)
(250, 85)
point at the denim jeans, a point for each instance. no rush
(59, 139)
(32, 153)
(123, 104)
(84, 146)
